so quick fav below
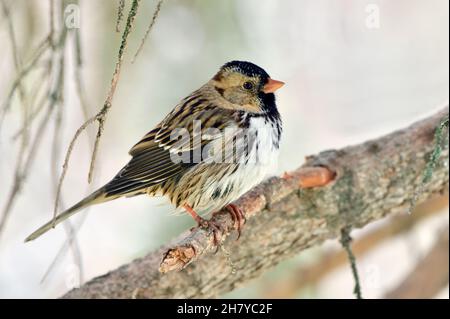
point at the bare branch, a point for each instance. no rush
(67, 158)
(308, 275)
(100, 117)
(28, 152)
(120, 9)
(345, 242)
(150, 27)
(372, 180)
(30, 66)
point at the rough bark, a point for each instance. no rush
(373, 179)
(292, 283)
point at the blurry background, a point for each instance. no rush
(349, 78)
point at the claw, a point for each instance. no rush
(236, 214)
(215, 228)
(238, 218)
(208, 225)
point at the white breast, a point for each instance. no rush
(261, 163)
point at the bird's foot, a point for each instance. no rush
(212, 226)
(206, 224)
(237, 216)
(216, 228)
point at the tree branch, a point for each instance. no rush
(372, 180)
(291, 284)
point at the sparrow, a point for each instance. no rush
(214, 146)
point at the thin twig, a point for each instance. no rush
(56, 150)
(67, 158)
(22, 174)
(150, 27)
(346, 241)
(33, 64)
(100, 117)
(71, 241)
(21, 88)
(120, 10)
(51, 35)
(79, 78)
(21, 167)
(309, 274)
(24, 166)
(41, 98)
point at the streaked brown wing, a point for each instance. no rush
(181, 116)
(152, 161)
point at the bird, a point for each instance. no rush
(214, 146)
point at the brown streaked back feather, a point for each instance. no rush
(152, 163)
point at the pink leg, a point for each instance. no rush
(204, 223)
(238, 217)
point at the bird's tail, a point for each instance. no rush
(96, 197)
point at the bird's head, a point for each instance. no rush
(246, 85)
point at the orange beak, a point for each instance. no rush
(272, 85)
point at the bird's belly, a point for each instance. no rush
(218, 191)
(209, 187)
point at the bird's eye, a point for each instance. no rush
(248, 85)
